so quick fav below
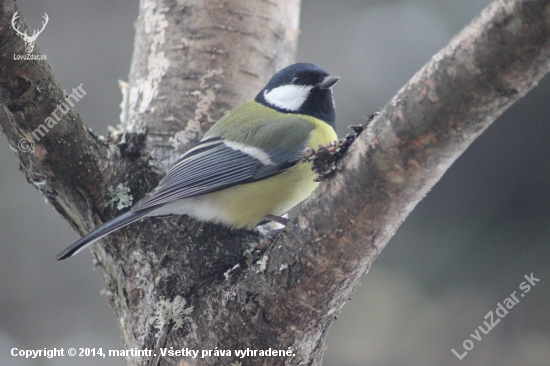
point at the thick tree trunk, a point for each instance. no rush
(196, 286)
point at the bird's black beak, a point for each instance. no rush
(328, 82)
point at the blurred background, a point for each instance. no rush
(465, 247)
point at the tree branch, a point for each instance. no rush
(66, 162)
(184, 284)
(491, 64)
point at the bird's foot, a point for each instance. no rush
(270, 237)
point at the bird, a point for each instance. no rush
(249, 166)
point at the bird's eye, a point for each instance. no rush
(296, 80)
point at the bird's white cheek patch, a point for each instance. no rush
(288, 97)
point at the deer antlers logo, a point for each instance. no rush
(29, 40)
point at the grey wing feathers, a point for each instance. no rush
(212, 166)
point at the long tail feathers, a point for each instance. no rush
(99, 232)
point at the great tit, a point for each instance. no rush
(249, 166)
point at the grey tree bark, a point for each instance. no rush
(180, 284)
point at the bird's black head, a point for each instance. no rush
(301, 88)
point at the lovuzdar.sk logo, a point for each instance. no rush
(29, 40)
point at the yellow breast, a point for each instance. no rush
(246, 205)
